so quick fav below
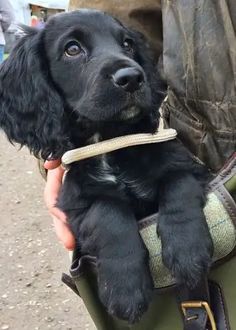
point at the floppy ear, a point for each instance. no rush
(31, 110)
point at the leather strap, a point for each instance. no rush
(218, 306)
(195, 317)
(203, 308)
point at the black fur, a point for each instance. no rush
(51, 103)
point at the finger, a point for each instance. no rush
(52, 187)
(64, 234)
(51, 164)
(55, 176)
(51, 191)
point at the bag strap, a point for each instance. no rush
(192, 305)
(203, 308)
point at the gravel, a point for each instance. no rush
(32, 296)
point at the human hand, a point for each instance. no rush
(51, 191)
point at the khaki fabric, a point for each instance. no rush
(200, 67)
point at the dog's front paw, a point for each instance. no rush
(125, 287)
(187, 253)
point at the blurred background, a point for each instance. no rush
(32, 13)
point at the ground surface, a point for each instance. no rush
(31, 259)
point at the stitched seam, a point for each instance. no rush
(217, 224)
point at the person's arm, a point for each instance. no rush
(54, 180)
(6, 14)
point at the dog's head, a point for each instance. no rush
(84, 65)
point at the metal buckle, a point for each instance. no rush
(199, 304)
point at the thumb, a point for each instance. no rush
(51, 164)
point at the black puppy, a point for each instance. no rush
(83, 78)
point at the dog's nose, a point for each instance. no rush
(130, 79)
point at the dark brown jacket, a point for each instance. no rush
(199, 59)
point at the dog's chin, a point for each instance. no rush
(127, 114)
(130, 113)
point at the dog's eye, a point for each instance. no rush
(72, 48)
(128, 45)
